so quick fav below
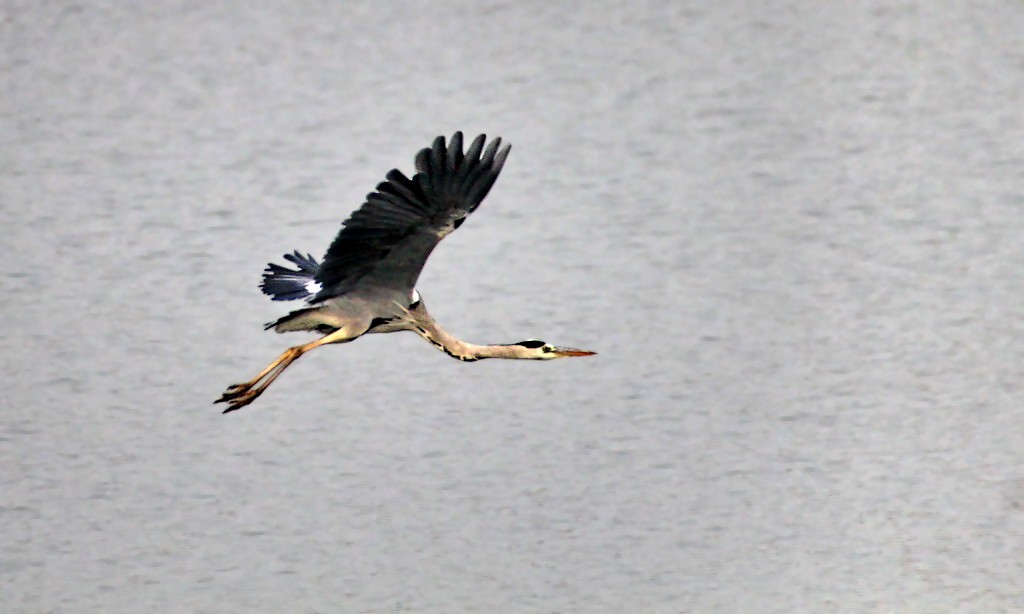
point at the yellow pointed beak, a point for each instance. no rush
(568, 352)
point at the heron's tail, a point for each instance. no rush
(284, 284)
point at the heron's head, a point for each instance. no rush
(539, 350)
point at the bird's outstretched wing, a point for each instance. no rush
(384, 244)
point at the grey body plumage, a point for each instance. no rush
(366, 283)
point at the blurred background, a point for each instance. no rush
(791, 230)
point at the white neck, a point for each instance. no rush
(424, 325)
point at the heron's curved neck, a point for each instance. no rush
(428, 328)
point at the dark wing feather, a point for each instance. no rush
(384, 244)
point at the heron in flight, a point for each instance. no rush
(367, 280)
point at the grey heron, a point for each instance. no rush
(367, 280)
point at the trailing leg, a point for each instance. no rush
(239, 395)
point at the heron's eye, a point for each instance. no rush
(547, 348)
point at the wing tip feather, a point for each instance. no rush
(449, 182)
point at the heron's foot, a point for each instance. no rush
(240, 399)
(238, 396)
(234, 391)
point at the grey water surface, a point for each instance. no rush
(792, 230)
